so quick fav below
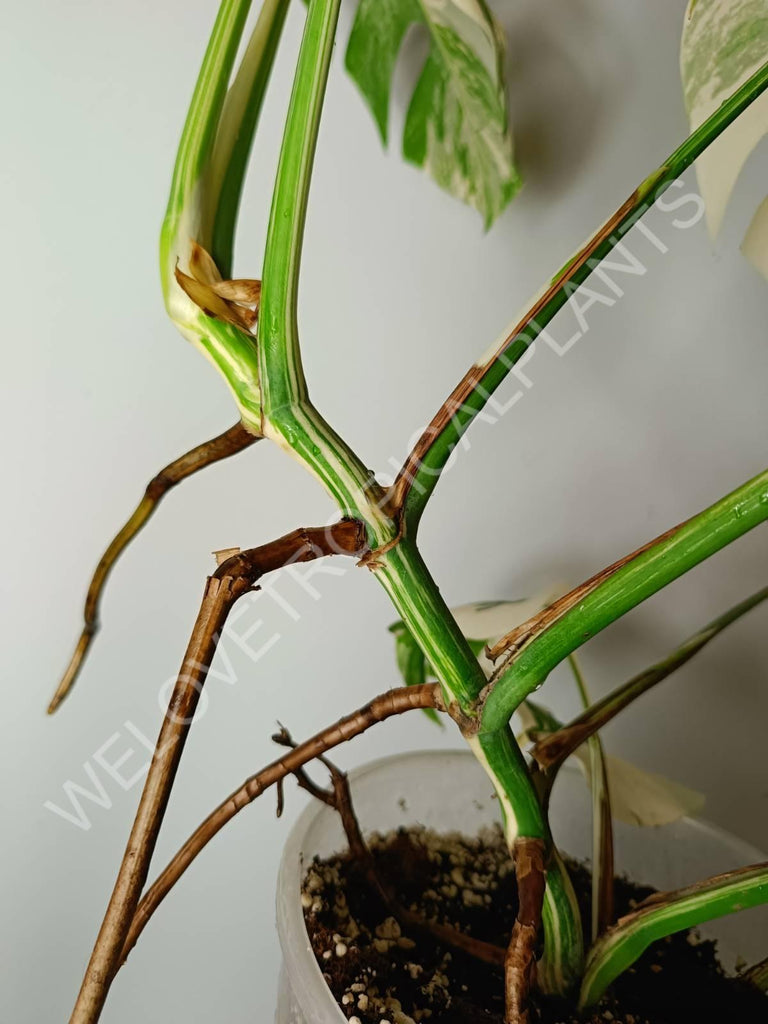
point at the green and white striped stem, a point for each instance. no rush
(421, 471)
(417, 599)
(287, 414)
(290, 419)
(237, 127)
(207, 181)
(555, 748)
(664, 914)
(602, 821)
(616, 593)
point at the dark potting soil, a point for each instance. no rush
(382, 973)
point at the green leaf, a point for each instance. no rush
(724, 42)
(457, 123)
(412, 664)
(373, 48)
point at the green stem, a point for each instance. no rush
(184, 212)
(665, 914)
(288, 416)
(602, 820)
(237, 127)
(561, 743)
(417, 599)
(421, 471)
(290, 419)
(673, 554)
(207, 181)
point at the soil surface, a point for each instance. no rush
(382, 973)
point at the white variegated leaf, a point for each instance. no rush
(489, 620)
(643, 798)
(755, 245)
(484, 622)
(637, 797)
(456, 126)
(724, 42)
(481, 623)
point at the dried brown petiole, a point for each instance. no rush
(232, 579)
(232, 441)
(340, 798)
(520, 964)
(394, 702)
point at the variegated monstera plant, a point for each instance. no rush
(480, 665)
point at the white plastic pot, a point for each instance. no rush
(447, 790)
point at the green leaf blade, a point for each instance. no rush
(374, 46)
(412, 664)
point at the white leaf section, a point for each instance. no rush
(471, 23)
(724, 42)
(755, 244)
(489, 620)
(643, 798)
(637, 797)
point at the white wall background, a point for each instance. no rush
(659, 410)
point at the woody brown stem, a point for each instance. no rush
(218, 598)
(341, 799)
(233, 578)
(221, 447)
(395, 702)
(520, 963)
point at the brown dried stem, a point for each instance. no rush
(520, 964)
(229, 443)
(395, 702)
(233, 578)
(340, 798)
